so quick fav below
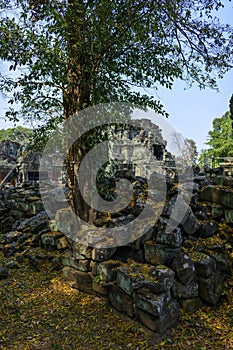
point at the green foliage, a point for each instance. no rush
(220, 139)
(191, 150)
(18, 134)
(73, 54)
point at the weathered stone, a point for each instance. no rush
(211, 289)
(157, 279)
(151, 303)
(12, 236)
(128, 278)
(64, 221)
(159, 254)
(201, 180)
(69, 260)
(200, 212)
(165, 277)
(217, 211)
(208, 229)
(217, 195)
(62, 243)
(78, 279)
(187, 291)
(121, 301)
(107, 270)
(160, 324)
(102, 254)
(101, 287)
(149, 235)
(4, 272)
(190, 225)
(184, 268)
(223, 261)
(81, 251)
(6, 224)
(204, 264)
(172, 239)
(229, 216)
(191, 305)
(36, 223)
(49, 240)
(69, 275)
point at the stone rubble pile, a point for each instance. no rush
(159, 273)
(149, 279)
(25, 230)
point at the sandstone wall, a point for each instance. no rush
(151, 278)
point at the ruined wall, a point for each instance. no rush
(156, 275)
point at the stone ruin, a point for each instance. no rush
(9, 153)
(153, 277)
(18, 166)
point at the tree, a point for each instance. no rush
(219, 139)
(19, 134)
(71, 54)
(231, 109)
(191, 150)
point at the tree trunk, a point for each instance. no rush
(77, 97)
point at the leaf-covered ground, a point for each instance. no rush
(38, 311)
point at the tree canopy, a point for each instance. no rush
(18, 134)
(67, 55)
(220, 139)
(71, 54)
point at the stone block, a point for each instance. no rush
(184, 268)
(128, 278)
(191, 305)
(190, 225)
(62, 243)
(229, 216)
(157, 279)
(36, 224)
(204, 264)
(208, 229)
(69, 276)
(159, 254)
(107, 270)
(78, 279)
(217, 211)
(100, 287)
(172, 239)
(181, 291)
(36, 207)
(49, 240)
(69, 260)
(217, 195)
(102, 254)
(210, 289)
(151, 303)
(162, 323)
(121, 301)
(223, 261)
(81, 251)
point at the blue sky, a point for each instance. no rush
(191, 110)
